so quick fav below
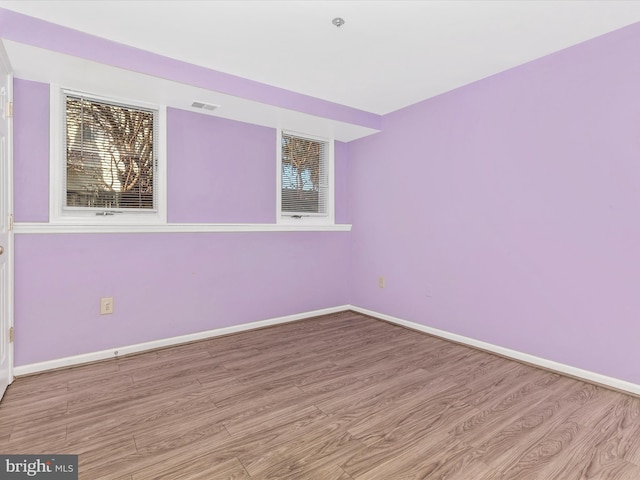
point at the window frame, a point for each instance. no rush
(289, 218)
(58, 213)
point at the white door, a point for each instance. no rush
(6, 221)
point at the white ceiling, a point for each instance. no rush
(389, 54)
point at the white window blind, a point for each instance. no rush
(305, 176)
(111, 155)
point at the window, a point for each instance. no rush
(108, 160)
(305, 179)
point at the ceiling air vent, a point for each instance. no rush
(204, 106)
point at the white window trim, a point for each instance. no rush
(290, 219)
(58, 164)
(38, 228)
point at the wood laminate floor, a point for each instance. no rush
(339, 397)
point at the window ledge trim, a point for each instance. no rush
(32, 228)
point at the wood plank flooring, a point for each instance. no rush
(338, 397)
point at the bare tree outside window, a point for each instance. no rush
(303, 175)
(110, 155)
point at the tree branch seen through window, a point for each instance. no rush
(304, 175)
(110, 155)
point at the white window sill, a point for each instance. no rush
(47, 228)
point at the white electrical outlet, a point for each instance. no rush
(381, 282)
(106, 305)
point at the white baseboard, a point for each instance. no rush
(514, 354)
(165, 342)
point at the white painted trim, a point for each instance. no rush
(507, 352)
(166, 342)
(278, 174)
(35, 228)
(163, 165)
(58, 213)
(312, 219)
(56, 177)
(10, 260)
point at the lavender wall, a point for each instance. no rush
(219, 171)
(516, 201)
(343, 210)
(31, 151)
(167, 284)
